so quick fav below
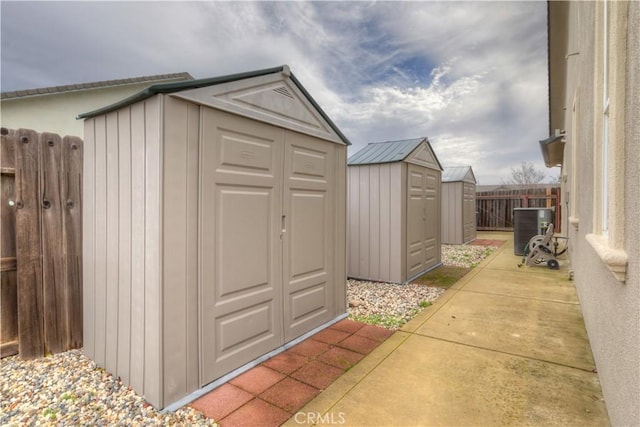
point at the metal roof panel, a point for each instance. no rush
(458, 173)
(385, 152)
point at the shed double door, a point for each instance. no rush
(267, 221)
(469, 212)
(423, 213)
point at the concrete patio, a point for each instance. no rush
(504, 346)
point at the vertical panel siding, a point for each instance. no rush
(447, 224)
(124, 245)
(180, 208)
(341, 232)
(138, 149)
(88, 240)
(397, 221)
(353, 213)
(444, 227)
(112, 285)
(452, 225)
(385, 223)
(100, 240)
(153, 252)
(374, 223)
(364, 219)
(193, 195)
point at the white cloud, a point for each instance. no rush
(470, 75)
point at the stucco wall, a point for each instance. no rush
(611, 308)
(57, 112)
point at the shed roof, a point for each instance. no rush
(386, 152)
(458, 173)
(93, 85)
(167, 88)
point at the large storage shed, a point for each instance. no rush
(214, 228)
(393, 211)
(458, 205)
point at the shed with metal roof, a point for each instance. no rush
(214, 229)
(458, 205)
(393, 211)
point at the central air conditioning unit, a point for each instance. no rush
(529, 222)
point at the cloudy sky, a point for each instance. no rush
(471, 76)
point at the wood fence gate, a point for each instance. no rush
(41, 243)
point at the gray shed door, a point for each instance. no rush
(266, 215)
(309, 240)
(422, 219)
(469, 211)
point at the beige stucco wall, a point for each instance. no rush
(57, 112)
(611, 307)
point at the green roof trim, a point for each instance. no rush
(164, 88)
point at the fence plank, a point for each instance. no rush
(53, 280)
(72, 151)
(28, 246)
(8, 281)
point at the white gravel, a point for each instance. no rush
(68, 389)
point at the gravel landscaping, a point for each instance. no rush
(69, 389)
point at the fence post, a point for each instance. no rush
(28, 246)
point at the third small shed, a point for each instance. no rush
(458, 205)
(393, 211)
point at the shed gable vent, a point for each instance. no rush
(283, 91)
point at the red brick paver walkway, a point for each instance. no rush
(272, 392)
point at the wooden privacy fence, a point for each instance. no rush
(41, 243)
(495, 207)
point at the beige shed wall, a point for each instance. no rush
(611, 308)
(452, 210)
(122, 241)
(377, 197)
(181, 196)
(57, 112)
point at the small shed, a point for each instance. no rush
(458, 205)
(393, 211)
(214, 229)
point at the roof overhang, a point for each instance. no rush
(558, 16)
(553, 150)
(557, 21)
